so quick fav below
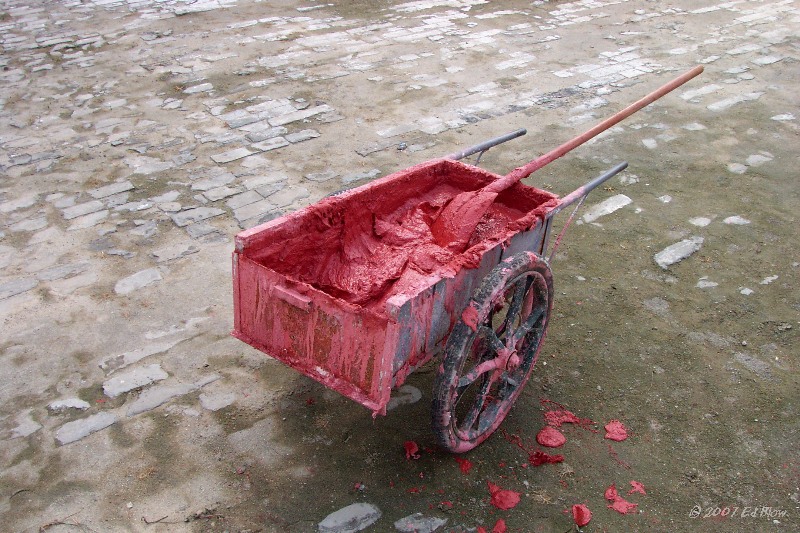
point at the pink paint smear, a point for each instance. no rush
(581, 514)
(412, 449)
(618, 503)
(559, 415)
(616, 430)
(637, 487)
(538, 458)
(499, 527)
(503, 499)
(464, 464)
(550, 437)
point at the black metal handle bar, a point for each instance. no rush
(581, 192)
(482, 147)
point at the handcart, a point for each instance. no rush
(356, 291)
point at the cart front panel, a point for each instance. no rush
(346, 350)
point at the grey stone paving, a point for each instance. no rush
(136, 281)
(137, 136)
(350, 519)
(133, 379)
(78, 429)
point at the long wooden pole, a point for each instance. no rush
(526, 170)
(459, 218)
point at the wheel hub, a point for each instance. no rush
(508, 359)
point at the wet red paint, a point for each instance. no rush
(618, 503)
(616, 430)
(464, 464)
(500, 526)
(470, 317)
(557, 418)
(581, 514)
(362, 247)
(557, 415)
(502, 499)
(535, 457)
(412, 449)
(539, 458)
(550, 437)
(513, 438)
(637, 487)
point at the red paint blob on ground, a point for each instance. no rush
(481, 529)
(503, 499)
(539, 458)
(581, 514)
(637, 487)
(557, 418)
(623, 506)
(464, 464)
(616, 430)
(500, 526)
(618, 503)
(550, 437)
(557, 414)
(412, 449)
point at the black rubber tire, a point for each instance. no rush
(468, 408)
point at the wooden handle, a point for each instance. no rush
(526, 170)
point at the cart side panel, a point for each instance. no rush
(460, 293)
(526, 241)
(425, 320)
(313, 333)
(413, 320)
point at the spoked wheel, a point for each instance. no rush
(491, 351)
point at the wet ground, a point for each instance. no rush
(138, 137)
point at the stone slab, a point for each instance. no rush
(136, 281)
(78, 429)
(133, 379)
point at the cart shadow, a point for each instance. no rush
(317, 452)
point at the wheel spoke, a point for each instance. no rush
(488, 415)
(494, 341)
(478, 403)
(532, 319)
(516, 304)
(486, 365)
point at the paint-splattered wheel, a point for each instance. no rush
(491, 351)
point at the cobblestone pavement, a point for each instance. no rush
(138, 136)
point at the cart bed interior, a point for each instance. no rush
(385, 229)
